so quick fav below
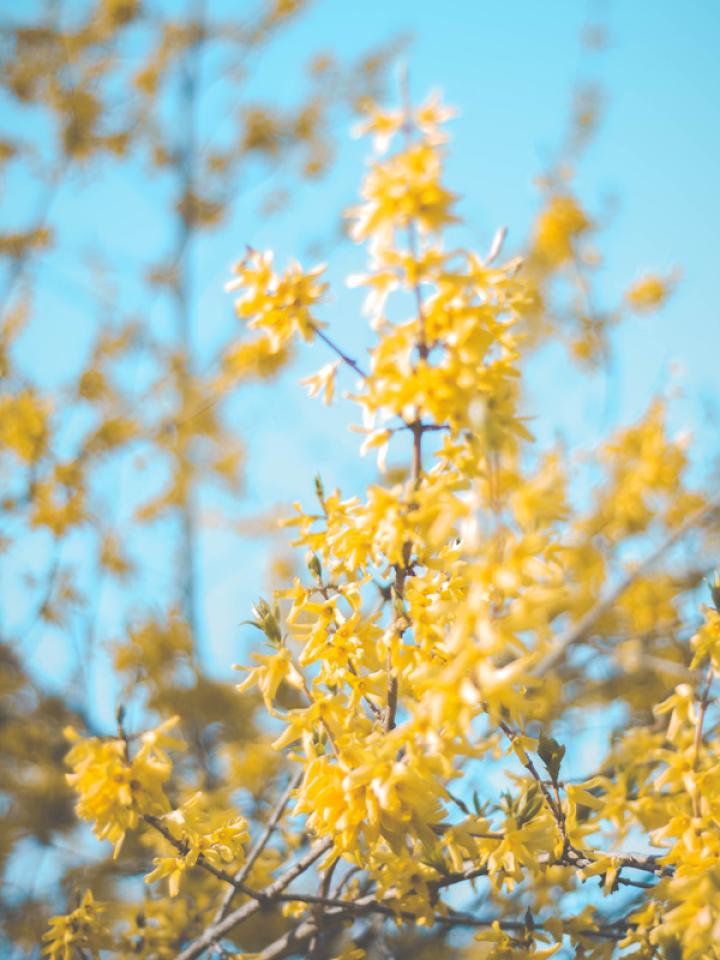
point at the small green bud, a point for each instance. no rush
(315, 567)
(267, 620)
(551, 753)
(528, 805)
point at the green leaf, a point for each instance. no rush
(551, 753)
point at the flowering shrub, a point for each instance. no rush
(453, 622)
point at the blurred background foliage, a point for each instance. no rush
(121, 443)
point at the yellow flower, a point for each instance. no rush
(273, 669)
(405, 189)
(323, 382)
(649, 293)
(116, 790)
(24, 427)
(558, 227)
(278, 304)
(73, 933)
(217, 839)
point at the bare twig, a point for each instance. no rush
(353, 364)
(697, 742)
(243, 873)
(337, 909)
(218, 930)
(21, 264)
(292, 942)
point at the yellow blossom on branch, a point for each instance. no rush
(118, 784)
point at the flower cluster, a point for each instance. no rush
(198, 837)
(115, 790)
(278, 304)
(70, 935)
(417, 676)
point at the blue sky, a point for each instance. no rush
(510, 69)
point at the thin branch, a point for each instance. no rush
(571, 856)
(392, 695)
(21, 264)
(400, 625)
(182, 848)
(315, 945)
(343, 882)
(182, 290)
(216, 931)
(697, 742)
(291, 942)
(275, 817)
(353, 364)
(553, 802)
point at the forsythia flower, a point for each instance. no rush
(24, 425)
(116, 790)
(323, 382)
(706, 642)
(405, 189)
(381, 124)
(438, 641)
(75, 933)
(273, 669)
(260, 357)
(558, 228)
(278, 304)
(368, 795)
(649, 293)
(198, 837)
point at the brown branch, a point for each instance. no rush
(315, 944)
(697, 742)
(392, 696)
(187, 154)
(201, 862)
(216, 931)
(260, 845)
(336, 909)
(399, 626)
(291, 942)
(21, 264)
(343, 882)
(353, 364)
(411, 228)
(571, 856)
(553, 803)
